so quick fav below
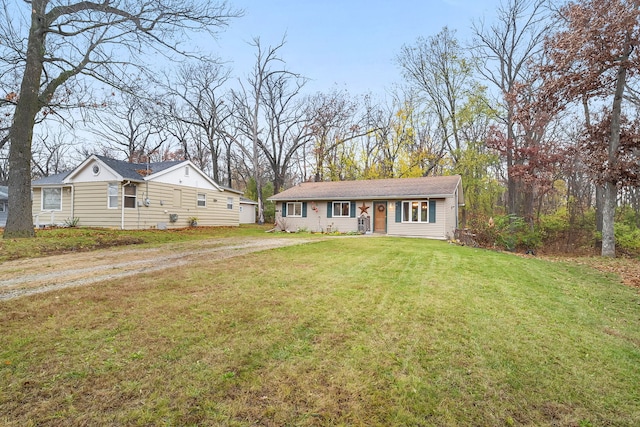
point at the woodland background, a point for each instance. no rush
(537, 111)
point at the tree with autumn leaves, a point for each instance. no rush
(592, 59)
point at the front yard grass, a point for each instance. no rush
(63, 240)
(345, 331)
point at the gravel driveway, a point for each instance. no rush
(33, 276)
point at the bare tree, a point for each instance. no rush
(50, 153)
(200, 104)
(504, 52)
(333, 121)
(249, 111)
(129, 125)
(287, 126)
(64, 40)
(437, 67)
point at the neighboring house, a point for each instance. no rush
(422, 207)
(103, 192)
(247, 211)
(4, 205)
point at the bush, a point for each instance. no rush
(628, 238)
(507, 232)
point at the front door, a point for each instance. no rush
(379, 217)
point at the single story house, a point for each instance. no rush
(247, 211)
(421, 207)
(4, 205)
(103, 192)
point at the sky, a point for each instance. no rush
(348, 44)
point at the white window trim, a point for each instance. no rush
(230, 203)
(126, 196)
(410, 204)
(291, 209)
(203, 199)
(333, 209)
(109, 196)
(42, 208)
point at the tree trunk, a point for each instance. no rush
(229, 178)
(20, 215)
(599, 206)
(512, 205)
(608, 216)
(611, 189)
(260, 203)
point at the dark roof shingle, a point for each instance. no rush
(131, 170)
(431, 186)
(56, 179)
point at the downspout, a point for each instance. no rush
(122, 204)
(73, 213)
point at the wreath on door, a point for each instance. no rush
(380, 208)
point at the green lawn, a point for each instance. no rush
(60, 240)
(347, 331)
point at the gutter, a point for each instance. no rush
(365, 198)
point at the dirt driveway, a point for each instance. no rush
(32, 276)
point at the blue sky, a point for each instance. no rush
(345, 44)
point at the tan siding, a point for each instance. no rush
(162, 198)
(48, 217)
(436, 230)
(318, 222)
(90, 205)
(451, 210)
(177, 198)
(91, 198)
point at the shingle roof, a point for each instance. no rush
(56, 179)
(127, 170)
(431, 186)
(247, 201)
(130, 170)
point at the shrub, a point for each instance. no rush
(507, 232)
(628, 238)
(71, 222)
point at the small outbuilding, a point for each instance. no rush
(247, 211)
(421, 207)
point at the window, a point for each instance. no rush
(294, 209)
(341, 209)
(3, 207)
(229, 202)
(52, 199)
(418, 211)
(112, 195)
(186, 171)
(202, 200)
(129, 196)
